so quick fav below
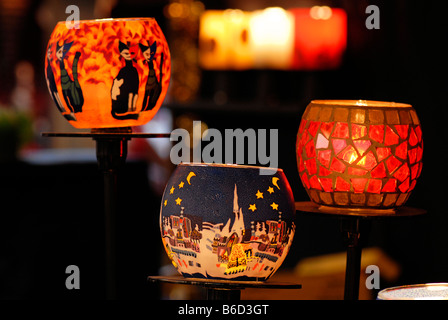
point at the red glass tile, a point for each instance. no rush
(310, 149)
(401, 150)
(302, 126)
(323, 172)
(303, 140)
(358, 184)
(382, 153)
(418, 132)
(338, 145)
(341, 130)
(391, 137)
(412, 155)
(310, 165)
(337, 166)
(342, 185)
(376, 132)
(390, 186)
(358, 131)
(323, 157)
(368, 161)
(349, 154)
(402, 130)
(420, 169)
(301, 165)
(326, 128)
(412, 185)
(404, 187)
(314, 183)
(414, 171)
(379, 171)
(312, 129)
(362, 145)
(356, 171)
(402, 173)
(392, 164)
(374, 186)
(327, 184)
(305, 180)
(419, 153)
(413, 140)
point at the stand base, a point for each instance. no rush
(224, 289)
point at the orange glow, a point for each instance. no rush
(96, 44)
(320, 37)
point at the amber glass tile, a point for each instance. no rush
(314, 196)
(358, 199)
(390, 186)
(405, 117)
(341, 198)
(340, 114)
(338, 145)
(402, 173)
(357, 115)
(414, 117)
(314, 183)
(374, 186)
(379, 171)
(391, 137)
(326, 128)
(340, 130)
(337, 166)
(402, 130)
(376, 116)
(310, 165)
(324, 156)
(342, 185)
(313, 113)
(401, 151)
(368, 161)
(392, 117)
(376, 133)
(358, 131)
(382, 153)
(358, 184)
(375, 200)
(390, 199)
(325, 114)
(310, 149)
(356, 171)
(392, 164)
(327, 184)
(326, 198)
(402, 198)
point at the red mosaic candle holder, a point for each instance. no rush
(359, 154)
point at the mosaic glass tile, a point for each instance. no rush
(324, 157)
(337, 166)
(391, 137)
(390, 186)
(376, 132)
(358, 184)
(358, 131)
(402, 173)
(342, 185)
(402, 130)
(322, 142)
(374, 186)
(338, 145)
(341, 130)
(401, 150)
(326, 128)
(349, 154)
(379, 171)
(368, 161)
(362, 145)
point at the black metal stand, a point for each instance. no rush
(111, 153)
(224, 289)
(353, 226)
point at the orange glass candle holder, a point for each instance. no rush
(109, 72)
(359, 154)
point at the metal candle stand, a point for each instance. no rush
(353, 226)
(111, 153)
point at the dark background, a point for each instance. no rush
(51, 216)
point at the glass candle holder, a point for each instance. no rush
(109, 72)
(359, 154)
